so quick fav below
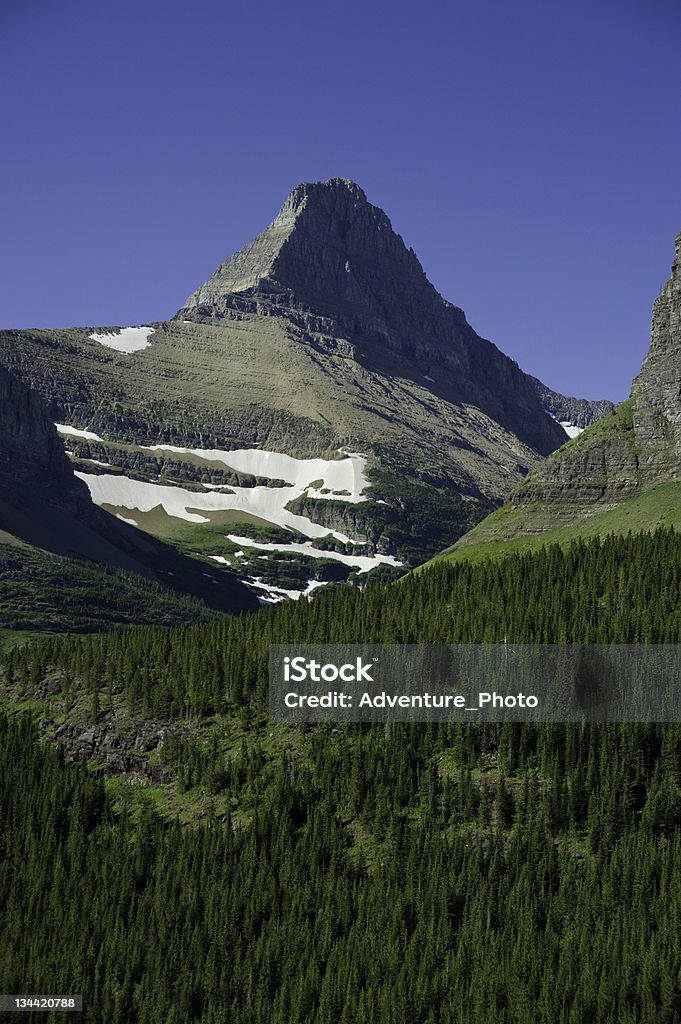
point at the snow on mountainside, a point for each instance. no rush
(339, 480)
(244, 414)
(571, 429)
(127, 340)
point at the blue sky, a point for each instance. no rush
(529, 153)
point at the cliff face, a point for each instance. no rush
(331, 263)
(579, 412)
(656, 391)
(630, 450)
(33, 464)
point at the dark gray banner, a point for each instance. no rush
(475, 683)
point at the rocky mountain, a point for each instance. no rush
(623, 472)
(573, 414)
(315, 411)
(331, 264)
(656, 391)
(33, 464)
(46, 510)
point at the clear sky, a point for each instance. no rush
(530, 153)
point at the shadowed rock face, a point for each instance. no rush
(32, 458)
(331, 263)
(44, 505)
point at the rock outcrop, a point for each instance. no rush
(32, 457)
(579, 412)
(37, 485)
(656, 390)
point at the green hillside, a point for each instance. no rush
(48, 593)
(513, 529)
(591, 487)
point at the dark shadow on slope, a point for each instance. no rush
(92, 534)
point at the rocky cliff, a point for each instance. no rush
(623, 457)
(656, 391)
(33, 464)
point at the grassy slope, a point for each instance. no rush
(527, 527)
(657, 506)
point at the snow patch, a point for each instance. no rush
(127, 339)
(340, 479)
(130, 522)
(94, 462)
(277, 594)
(570, 429)
(63, 428)
(266, 503)
(364, 563)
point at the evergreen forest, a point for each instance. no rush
(336, 874)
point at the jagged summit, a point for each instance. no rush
(329, 251)
(665, 334)
(331, 264)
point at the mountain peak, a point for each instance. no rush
(320, 198)
(334, 190)
(328, 250)
(331, 264)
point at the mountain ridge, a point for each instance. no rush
(631, 455)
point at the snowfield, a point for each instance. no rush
(341, 479)
(570, 429)
(344, 479)
(266, 503)
(365, 563)
(67, 431)
(127, 339)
